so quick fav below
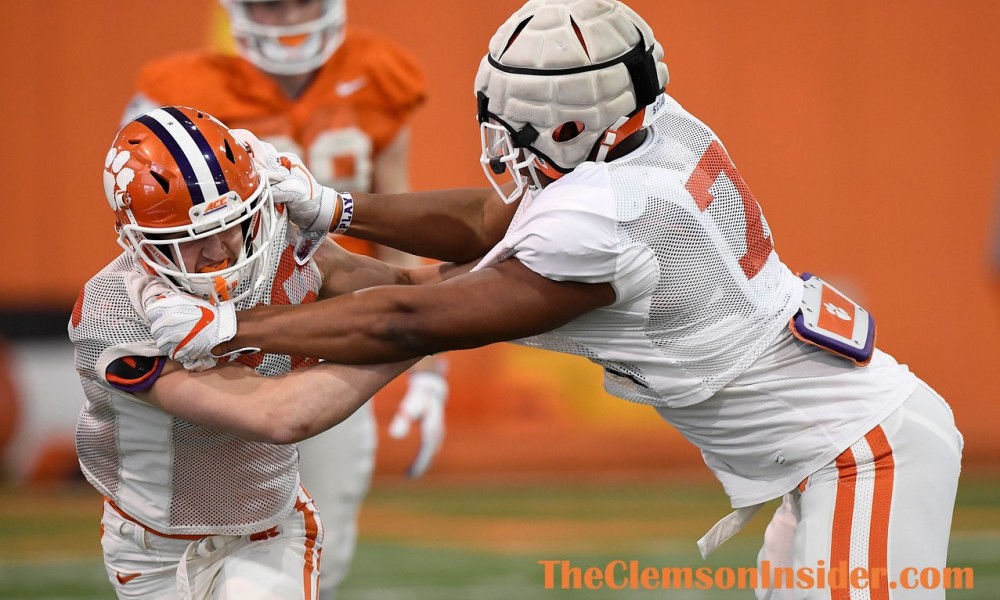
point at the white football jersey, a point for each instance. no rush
(173, 476)
(702, 300)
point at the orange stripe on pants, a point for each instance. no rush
(843, 518)
(312, 556)
(878, 535)
(878, 529)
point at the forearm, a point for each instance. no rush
(449, 225)
(341, 390)
(434, 273)
(369, 326)
(390, 323)
(281, 410)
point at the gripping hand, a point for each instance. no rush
(311, 206)
(186, 328)
(424, 402)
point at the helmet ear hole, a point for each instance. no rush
(568, 131)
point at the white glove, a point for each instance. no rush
(263, 153)
(186, 328)
(310, 206)
(424, 400)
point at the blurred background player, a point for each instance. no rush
(341, 99)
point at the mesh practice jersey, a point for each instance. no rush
(354, 107)
(701, 299)
(173, 476)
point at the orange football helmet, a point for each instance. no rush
(175, 175)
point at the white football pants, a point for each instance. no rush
(885, 503)
(281, 563)
(336, 468)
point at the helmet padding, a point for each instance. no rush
(556, 62)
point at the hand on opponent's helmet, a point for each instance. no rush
(310, 205)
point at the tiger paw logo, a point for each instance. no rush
(116, 180)
(837, 311)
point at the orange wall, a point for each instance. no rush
(870, 133)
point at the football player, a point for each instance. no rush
(200, 470)
(627, 235)
(341, 99)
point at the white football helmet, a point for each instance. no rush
(175, 175)
(287, 49)
(563, 79)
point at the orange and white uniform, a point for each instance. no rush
(699, 331)
(355, 106)
(179, 497)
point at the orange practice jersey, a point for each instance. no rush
(354, 107)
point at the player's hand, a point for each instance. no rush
(424, 402)
(263, 153)
(310, 206)
(186, 328)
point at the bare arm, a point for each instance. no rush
(390, 323)
(279, 410)
(344, 272)
(449, 225)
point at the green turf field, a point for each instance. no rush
(428, 541)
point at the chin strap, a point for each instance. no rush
(219, 284)
(619, 132)
(548, 170)
(614, 135)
